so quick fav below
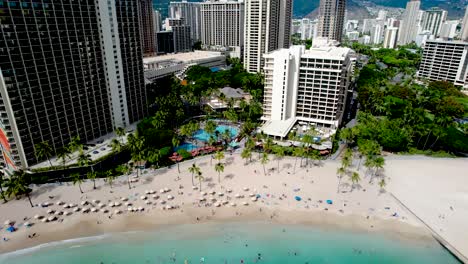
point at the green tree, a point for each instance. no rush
(219, 167)
(298, 152)
(200, 178)
(125, 170)
(110, 176)
(91, 175)
(17, 185)
(43, 150)
(2, 182)
(382, 184)
(175, 144)
(194, 170)
(340, 173)
(63, 154)
(264, 161)
(77, 180)
(246, 154)
(84, 160)
(210, 127)
(116, 145)
(120, 132)
(279, 153)
(75, 144)
(355, 178)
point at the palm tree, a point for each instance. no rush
(120, 132)
(194, 170)
(124, 169)
(298, 152)
(83, 160)
(175, 144)
(382, 185)
(219, 167)
(63, 154)
(116, 145)
(2, 182)
(92, 176)
(355, 178)
(77, 180)
(110, 176)
(17, 186)
(137, 157)
(264, 161)
(279, 153)
(226, 136)
(339, 173)
(379, 162)
(200, 178)
(43, 150)
(246, 154)
(369, 164)
(75, 144)
(219, 156)
(210, 127)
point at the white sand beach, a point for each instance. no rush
(365, 208)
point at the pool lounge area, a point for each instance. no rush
(203, 137)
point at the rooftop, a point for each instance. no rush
(183, 57)
(279, 128)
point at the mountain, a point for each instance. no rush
(356, 8)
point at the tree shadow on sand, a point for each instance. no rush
(229, 176)
(42, 189)
(229, 160)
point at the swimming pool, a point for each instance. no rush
(187, 146)
(201, 134)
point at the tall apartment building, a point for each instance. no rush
(308, 28)
(267, 28)
(190, 12)
(305, 85)
(445, 60)
(181, 35)
(157, 21)
(222, 24)
(464, 28)
(433, 19)
(331, 19)
(147, 30)
(449, 29)
(65, 73)
(408, 26)
(376, 34)
(390, 38)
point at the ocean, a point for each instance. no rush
(252, 242)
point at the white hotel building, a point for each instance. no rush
(305, 85)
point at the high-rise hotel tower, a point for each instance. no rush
(67, 68)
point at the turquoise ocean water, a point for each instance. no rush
(235, 243)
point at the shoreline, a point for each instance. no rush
(352, 209)
(88, 229)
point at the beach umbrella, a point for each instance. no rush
(85, 210)
(155, 196)
(44, 220)
(201, 199)
(170, 197)
(66, 206)
(166, 189)
(233, 204)
(117, 204)
(147, 202)
(11, 229)
(217, 204)
(124, 199)
(50, 211)
(220, 194)
(152, 191)
(224, 202)
(96, 201)
(59, 203)
(101, 205)
(93, 210)
(163, 202)
(329, 202)
(251, 194)
(76, 209)
(194, 188)
(104, 210)
(237, 195)
(140, 208)
(66, 213)
(245, 203)
(212, 192)
(38, 216)
(229, 190)
(254, 199)
(111, 204)
(168, 207)
(246, 189)
(27, 224)
(203, 193)
(129, 209)
(51, 218)
(298, 198)
(212, 198)
(147, 191)
(117, 212)
(58, 213)
(143, 197)
(84, 202)
(8, 222)
(71, 205)
(161, 191)
(128, 204)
